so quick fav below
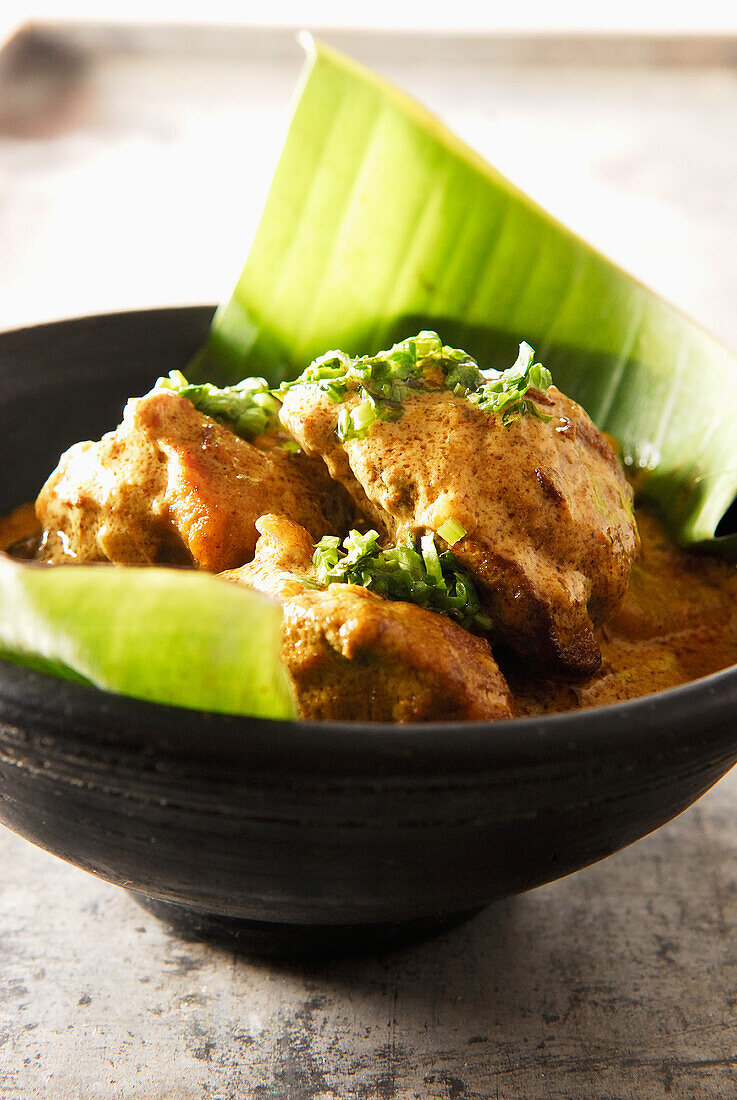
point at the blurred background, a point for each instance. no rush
(137, 141)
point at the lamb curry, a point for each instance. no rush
(446, 542)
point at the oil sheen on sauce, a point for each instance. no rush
(677, 622)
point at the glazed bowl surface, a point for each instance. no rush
(319, 831)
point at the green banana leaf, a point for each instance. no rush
(380, 222)
(165, 635)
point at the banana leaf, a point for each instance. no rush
(165, 635)
(380, 221)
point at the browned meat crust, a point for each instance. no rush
(353, 655)
(171, 485)
(548, 513)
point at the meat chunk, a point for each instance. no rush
(352, 655)
(171, 485)
(550, 531)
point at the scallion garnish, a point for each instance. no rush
(382, 382)
(503, 392)
(452, 531)
(248, 408)
(417, 574)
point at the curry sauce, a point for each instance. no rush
(677, 622)
(18, 526)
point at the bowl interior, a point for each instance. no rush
(68, 381)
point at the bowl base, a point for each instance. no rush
(297, 942)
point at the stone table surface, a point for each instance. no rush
(121, 185)
(618, 982)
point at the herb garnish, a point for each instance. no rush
(248, 408)
(418, 365)
(417, 574)
(381, 382)
(452, 531)
(503, 392)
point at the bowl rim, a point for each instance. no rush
(662, 724)
(99, 717)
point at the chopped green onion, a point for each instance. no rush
(420, 576)
(451, 531)
(382, 383)
(248, 408)
(420, 364)
(363, 415)
(343, 426)
(503, 392)
(355, 424)
(430, 557)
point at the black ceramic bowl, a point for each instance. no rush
(296, 835)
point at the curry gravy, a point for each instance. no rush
(677, 622)
(20, 524)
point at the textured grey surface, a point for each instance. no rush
(620, 982)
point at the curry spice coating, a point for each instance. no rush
(550, 531)
(170, 485)
(353, 655)
(677, 622)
